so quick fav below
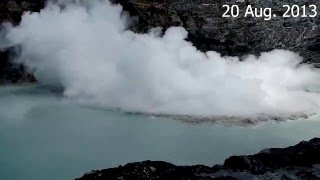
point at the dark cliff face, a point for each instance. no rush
(11, 11)
(301, 161)
(233, 36)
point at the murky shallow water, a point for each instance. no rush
(45, 137)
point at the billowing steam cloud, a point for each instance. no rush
(86, 50)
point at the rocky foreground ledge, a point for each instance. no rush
(301, 161)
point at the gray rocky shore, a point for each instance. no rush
(301, 161)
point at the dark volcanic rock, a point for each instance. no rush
(305, 154)
(11, 72)
(301, 161)
(233, 36)
(11, 11)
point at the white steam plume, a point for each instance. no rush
(88, 51)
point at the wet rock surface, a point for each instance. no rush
(301, 161)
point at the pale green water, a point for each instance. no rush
(45, 137)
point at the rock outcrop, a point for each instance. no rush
(233, 36)
(301, 161)
(11, 11)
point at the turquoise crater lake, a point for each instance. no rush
(43, 136)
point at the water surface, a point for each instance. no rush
(43, 136)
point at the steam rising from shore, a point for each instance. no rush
(86, 50)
